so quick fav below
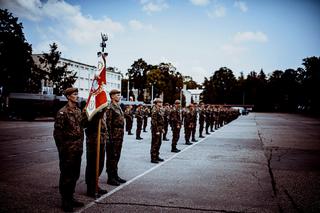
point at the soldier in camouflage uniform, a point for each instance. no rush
(194, 119)
(68, 136)
(129, 119)
(188, 124)
(212, 118)
(157, 125)
(91, 148)
(115, 132)
(139, 117)
(166, 115)
(208, 116)
(175, 121)
(146, 113)
(202, 117)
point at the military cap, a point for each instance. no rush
(70, 90)
(177, 102)
(114, 91)
(157, 100)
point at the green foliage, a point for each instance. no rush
(61, 77)
(15, 55)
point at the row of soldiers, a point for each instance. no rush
(209, 118)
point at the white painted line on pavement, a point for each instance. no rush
(139, 176)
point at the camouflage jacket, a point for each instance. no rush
(115, 122)
(188, 119)
(157, 121)
(139, 115)
(68, 127)
(202, 115)
(128, 114)
(175, 118)
(92, 128)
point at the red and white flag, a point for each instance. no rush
(97, 99)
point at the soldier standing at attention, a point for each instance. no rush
(129, 119)
(188, 124)
(139, 116)
(202, 117)
(68, 136)
(91, 144)
(166, 114)
(157, 124)
(115, 132)
(208, 116)
(194, 113)
(146, 113)
(175, 121)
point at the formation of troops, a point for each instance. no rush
(71, 124)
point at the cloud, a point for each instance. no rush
(250, 36)
(137, 25)
(200, 2)
(218, 11)
(67, 20)
(241, 5)
(151, 6)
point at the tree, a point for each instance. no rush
(14, 76)
(191, 84)
(221, 86)
(311, 82)
(60, 76)
(138, 76)
(166, 80)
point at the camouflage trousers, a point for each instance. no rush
(187, 133)
(201, 125)
(113, 150)
(193, 132)
(207, 126)
(70, 165)
(128, 125)
(145, 123)
(91, 164)
(175, 137)
(155, 145)
(139, 128)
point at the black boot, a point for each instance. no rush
(188, 143)
(201, 136)
(67, 204)
(113, 181)
(76, 203)
(130, 133)
(174, 149)
(194, 140)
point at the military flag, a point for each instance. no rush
(97, 99)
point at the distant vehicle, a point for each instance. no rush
(242, 110)
(28, 106)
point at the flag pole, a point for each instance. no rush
(98, 157)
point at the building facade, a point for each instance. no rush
(85, 75)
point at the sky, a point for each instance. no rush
(196, 36)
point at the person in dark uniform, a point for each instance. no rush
(175, 121)
(68, 136)
(115, 132)
(129, 119)
(139, 117)
(91, 132)
(188, 124)
(166, 115)
(157, 125)
(202, 117)
(146, 113)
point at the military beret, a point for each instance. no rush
(157, 100)
(70, 90)
(177, 102)
(114, 91)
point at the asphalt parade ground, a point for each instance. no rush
(261, 162)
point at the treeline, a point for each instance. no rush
(286, 91)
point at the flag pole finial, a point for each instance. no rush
(104, 38)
